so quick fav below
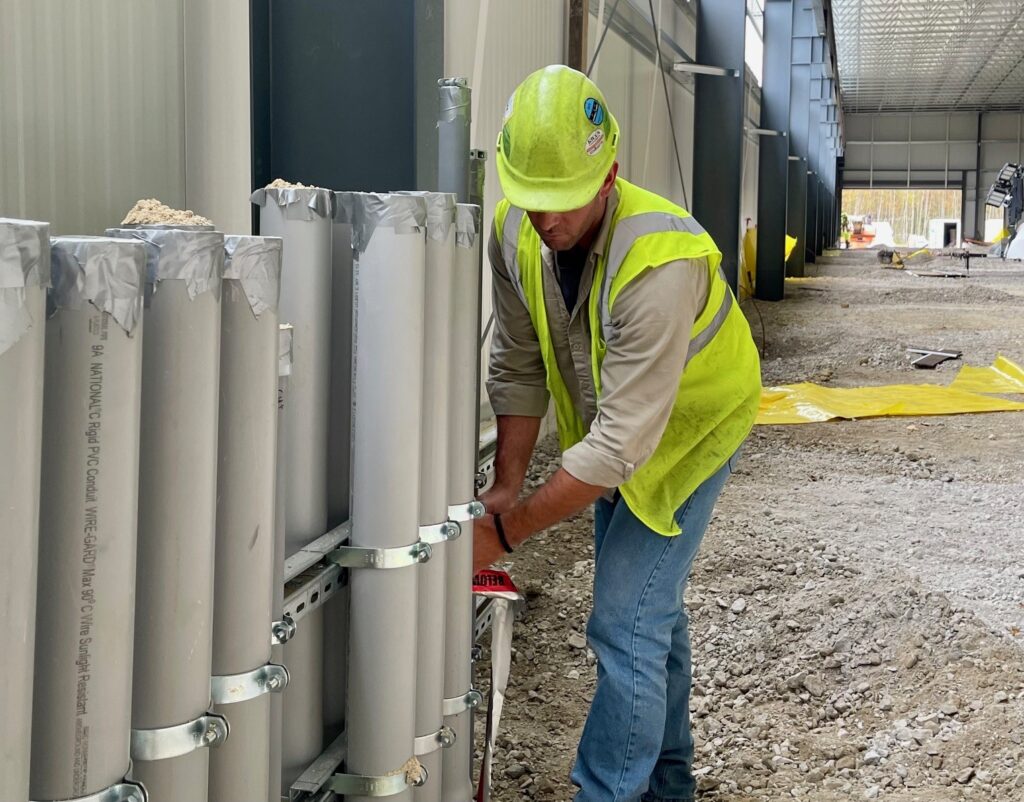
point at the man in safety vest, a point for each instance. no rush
(608, 301)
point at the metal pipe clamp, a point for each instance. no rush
(125, 791)
(227, 689)
(210, 729)
(399, 557)
(388, 785)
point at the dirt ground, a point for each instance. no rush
(857, 605)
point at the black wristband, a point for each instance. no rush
(500, 529)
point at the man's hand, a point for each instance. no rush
(499, 499)
(487, 549)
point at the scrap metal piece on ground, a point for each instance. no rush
(931, 358)
(936, 274)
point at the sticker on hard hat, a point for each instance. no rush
(594, 110)
(509, 107)
(595, 142)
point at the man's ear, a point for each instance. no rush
(609, 180)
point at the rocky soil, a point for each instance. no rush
(857, 605)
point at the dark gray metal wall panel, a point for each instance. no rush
(718, 127)
(773, 167)
(428, 53)
(340, 91)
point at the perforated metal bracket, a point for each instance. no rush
(442, 739)
(227, 689)
(440, 533)
(125, 791)
(208, 730)
(388, 785)
(399, 557)
(459, 704)
(466, 512)
(282, 631)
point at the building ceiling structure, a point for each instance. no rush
(930, 55)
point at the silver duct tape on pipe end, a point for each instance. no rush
(285, 332)
(467, 224)
(255, 262)
(440, 212)
(109, 273)
(368, 211)
(299, 203)
(194, 256)
(24, 262)
(455, 97)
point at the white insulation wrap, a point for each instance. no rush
(90, 467)
(24, 276)
(389, 242)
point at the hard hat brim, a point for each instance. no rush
(541, 196)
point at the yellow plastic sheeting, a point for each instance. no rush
(748, 259)
(812, 403)
(1002, 376)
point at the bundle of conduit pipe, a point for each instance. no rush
(250, 463)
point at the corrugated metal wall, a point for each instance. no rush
(92, 110)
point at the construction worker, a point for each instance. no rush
(609, 301)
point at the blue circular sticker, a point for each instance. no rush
(594, 110)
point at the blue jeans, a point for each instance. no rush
(636, 744)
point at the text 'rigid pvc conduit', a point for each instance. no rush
(88, 517)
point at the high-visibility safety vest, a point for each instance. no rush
(720, 387)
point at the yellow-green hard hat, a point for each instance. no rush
(557, 143)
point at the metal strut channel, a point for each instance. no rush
(398, 557)
(203, 732)
(227, 689)
(125, 791)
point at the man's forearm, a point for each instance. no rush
(558, 498)
(517, 437)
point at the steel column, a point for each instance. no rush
(773, 167)
(24, 275)
(246, 477)
(718, 127)
(804, 32)
(463, 447)
(389, 283)
(177, 498)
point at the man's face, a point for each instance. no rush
(562, 231)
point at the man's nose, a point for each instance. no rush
(547, 221)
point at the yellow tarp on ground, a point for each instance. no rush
(1003, 376)
(812, 403)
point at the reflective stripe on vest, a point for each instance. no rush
(510, 248)
(627, 232)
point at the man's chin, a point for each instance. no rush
(559, 243)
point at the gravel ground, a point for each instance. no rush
(857, 605)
